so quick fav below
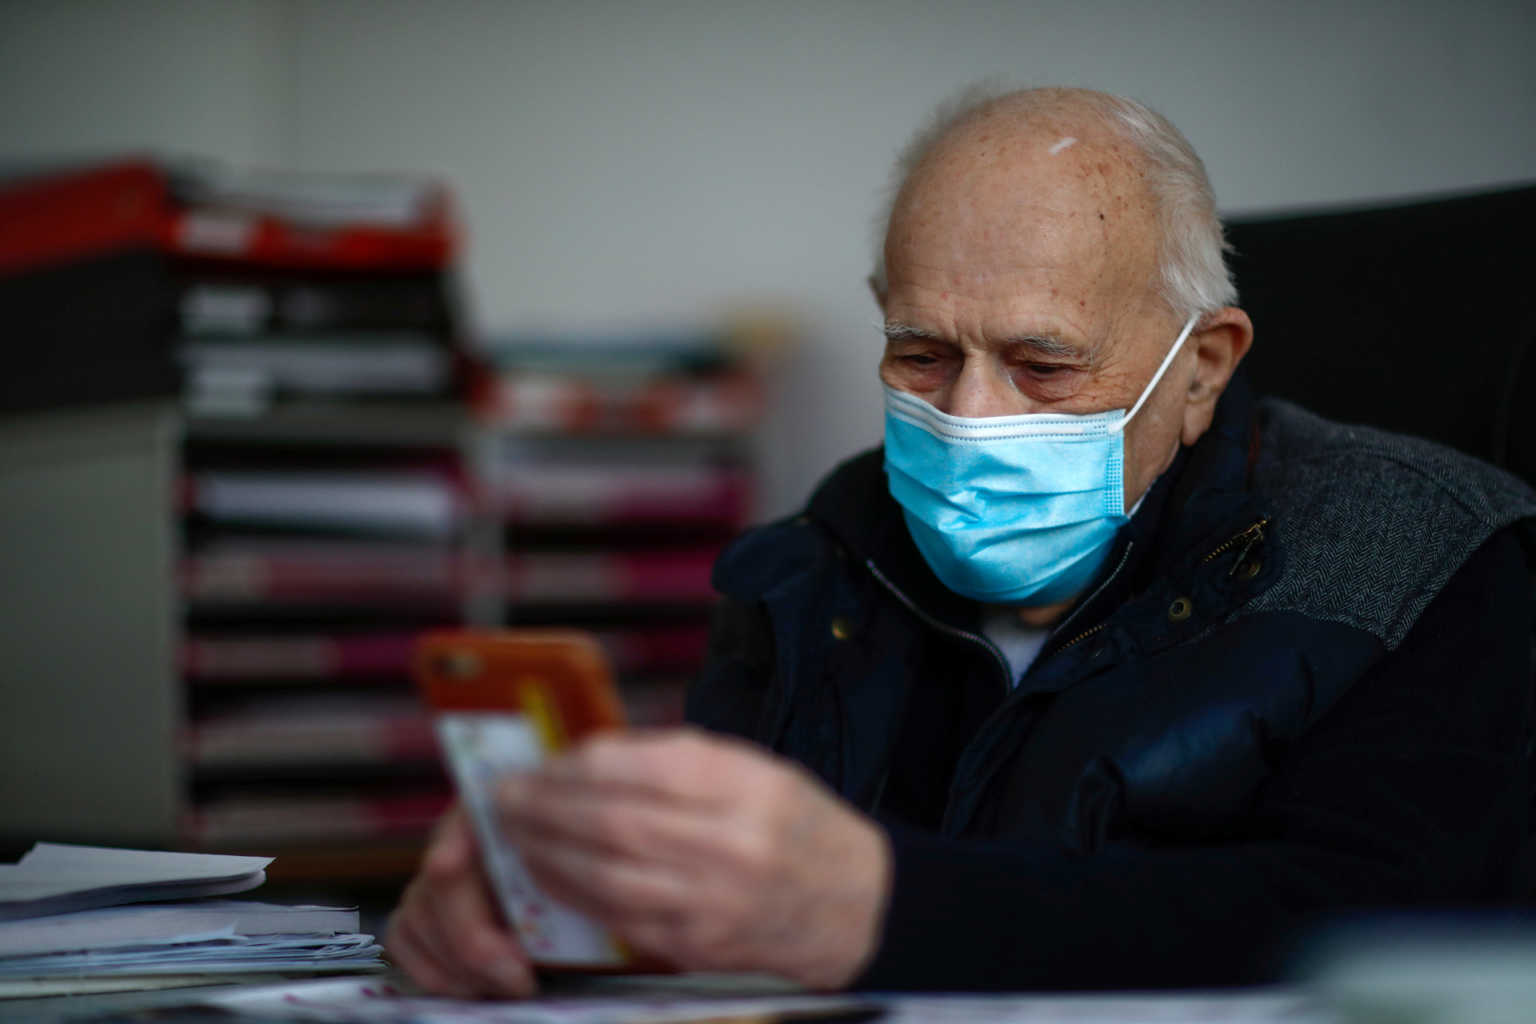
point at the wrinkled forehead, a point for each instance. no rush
(1000, 196)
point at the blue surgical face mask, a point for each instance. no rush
(1011, 509)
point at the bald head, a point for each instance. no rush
(1142, 173)
(1021, 184)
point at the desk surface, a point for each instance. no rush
(681, 999)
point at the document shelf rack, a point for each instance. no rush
(182, 691)
(209, 604)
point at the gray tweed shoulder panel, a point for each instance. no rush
(1372, 523)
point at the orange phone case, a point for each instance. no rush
(558, 677)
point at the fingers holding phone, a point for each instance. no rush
(704, 852)
(447, 934)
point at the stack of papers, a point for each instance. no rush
(86, 914)
(155, 923)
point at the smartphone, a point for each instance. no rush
(504, 700)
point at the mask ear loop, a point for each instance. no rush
(1146, 393)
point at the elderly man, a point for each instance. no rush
(1098, 674)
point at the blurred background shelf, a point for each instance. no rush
(324, 465)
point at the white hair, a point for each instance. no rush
(1194, 277)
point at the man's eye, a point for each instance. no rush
(919, 359)
(1045, 369)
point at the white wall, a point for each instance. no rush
(83, 79)
(626, 163)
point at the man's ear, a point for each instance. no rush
(1220, 341)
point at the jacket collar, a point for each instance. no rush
(1198, 502)
(1210, 496)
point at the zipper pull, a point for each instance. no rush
(1254, 535)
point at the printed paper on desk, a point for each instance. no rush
(482, 747)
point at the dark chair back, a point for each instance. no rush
(1417, 317)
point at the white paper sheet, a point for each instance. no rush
(54, 878)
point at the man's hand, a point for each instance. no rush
(447, 934)
(706, 853)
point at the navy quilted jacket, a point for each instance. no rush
(1301, 687)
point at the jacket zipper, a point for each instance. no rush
(997, 656)
(942, 627)
(1124, 557)
(1248, 538)
(947, 818)
(1084, 635)
(1002, 663)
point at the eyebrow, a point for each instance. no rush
(896, 330)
